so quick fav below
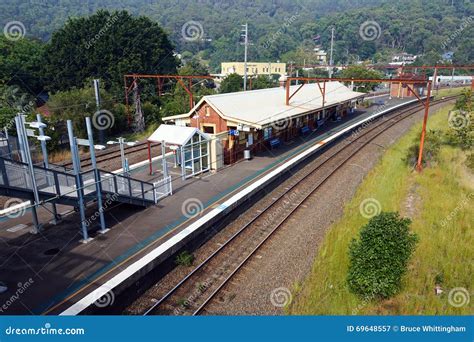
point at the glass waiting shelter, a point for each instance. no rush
(189, 145)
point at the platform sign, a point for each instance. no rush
(82, 142)
(234, 132)
(30, 132)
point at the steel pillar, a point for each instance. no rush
(98, 183)
(24, 137)
(77, 171)
(149, 158)
(44, 151)
(419, 165)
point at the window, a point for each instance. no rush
(267, 133)
(208, 129)
(196, 154)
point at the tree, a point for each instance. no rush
(379, 259)
(232, 83)
(262, 82)
(359, 72)
(178, 101)
(77, 103)
(20, 64)
(107, 46)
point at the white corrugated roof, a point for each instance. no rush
(175, 135)
(264, 106)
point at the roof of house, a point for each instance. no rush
(175, 135)
(264, 106)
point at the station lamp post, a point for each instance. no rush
(121, 141)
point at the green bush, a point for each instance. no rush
(461, 122)
(379, 259)
(431, 147)
(470, 161)
(185, 259)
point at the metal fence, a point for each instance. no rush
(163, 188)
(53, 182)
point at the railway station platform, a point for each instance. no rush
(53, 273)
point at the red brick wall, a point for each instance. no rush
(213, 119)
(404, 92)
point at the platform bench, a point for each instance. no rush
(274, 143)
(305, 130)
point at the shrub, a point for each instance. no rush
(460, 122)
(379, 259)
(470, 161)
(185, 259)
(431, 149)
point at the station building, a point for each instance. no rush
(253, 68)
(260, 119)
(401, 90)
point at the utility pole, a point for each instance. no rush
(97, 104)
(246, 43)
(330, 52)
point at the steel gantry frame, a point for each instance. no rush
(181, 80)
(407, 82)
(439, 67)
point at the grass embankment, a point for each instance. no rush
(443, 255)
(448, 92)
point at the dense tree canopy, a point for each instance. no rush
(280, 26)
(232, 83)
(20, 64)
(107, 46)
(359, 72)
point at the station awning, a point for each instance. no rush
(175, 135)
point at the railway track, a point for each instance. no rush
(108, 156)
(200, 287)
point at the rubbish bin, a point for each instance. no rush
(247, 155)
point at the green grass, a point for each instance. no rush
(445, 249)
(141, 135)
(448, 92)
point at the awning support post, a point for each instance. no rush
(149, 157)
